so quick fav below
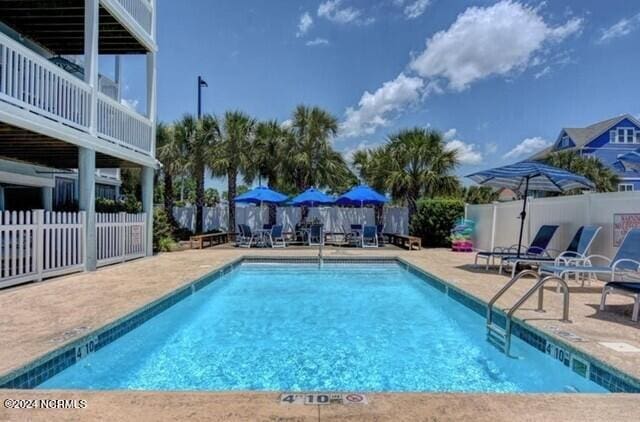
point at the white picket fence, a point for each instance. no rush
(39, 244)
(120, 237)
(498, 224)
(336, 219)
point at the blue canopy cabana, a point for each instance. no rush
(530, 175)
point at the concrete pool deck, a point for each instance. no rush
(40, 317)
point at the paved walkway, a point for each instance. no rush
(40, 317)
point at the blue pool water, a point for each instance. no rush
(298, 327)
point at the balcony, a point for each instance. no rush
(30, 82)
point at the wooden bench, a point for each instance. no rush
(212, 238)
(404, 241)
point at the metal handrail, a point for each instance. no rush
(538, 286)
(504, 288)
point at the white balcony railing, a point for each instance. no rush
(120, 124)
(140, 11)
(32, 82)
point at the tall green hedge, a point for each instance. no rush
(434, 220)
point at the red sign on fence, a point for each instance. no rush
(622, 223)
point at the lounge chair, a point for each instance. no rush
(624, 267)
(354, 237)
(630, 289)
(316, 235)
(248, 238)
(369, 237)
(276, 238)
(575, 253)
(537, 248)
(380, 234)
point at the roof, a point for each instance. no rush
(581, 136)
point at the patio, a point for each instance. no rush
(40, 317)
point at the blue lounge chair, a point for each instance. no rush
(537, 248)
(276, 238)
(354, 237)
(630, 289)
(575, 253)
(380, 233)
(316, 235)
(248, 238)
(370, 237)
(625, 265)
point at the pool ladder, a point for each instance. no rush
(501, 337)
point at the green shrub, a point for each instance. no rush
(130, 205)
(162, 237)
(434, 220)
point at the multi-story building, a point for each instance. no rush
(606, 140)
(64, 129)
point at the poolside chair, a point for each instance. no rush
(316, 235)
(625, 264)
(276, 238)
(369, 237)
(240, 237)
(354, 237)
(380, 234)
(248, 238)
(630, 289)
(576, 251)
(537, 248)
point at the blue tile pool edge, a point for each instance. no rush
(50, 364)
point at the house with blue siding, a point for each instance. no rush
(605, 140)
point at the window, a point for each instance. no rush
(565, 142)
(624, 135)
(625, 187)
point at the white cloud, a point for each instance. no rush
(318, 42)
(543, 72)
(304, 24)
(334, 11)
(485, 41)
(528, 147)
(620, 29)
(374, 109)
(286, 124)
(467, 153)
(414, 8)
(490, 148)
(132, 104)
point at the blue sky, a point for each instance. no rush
(499, 78)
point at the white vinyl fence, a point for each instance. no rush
(120, 237)
(39, 244)
(336, 219)
(498, 224)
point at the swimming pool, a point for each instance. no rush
(298, 327)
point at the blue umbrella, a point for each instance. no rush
(360, 196)
(630, 160)
(261, 195)
(530, 175)
(311, 197)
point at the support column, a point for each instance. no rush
(147, 205)
(87, 202)
(91, 22)
(47, 198)
(1, 198)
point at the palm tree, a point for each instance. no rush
(233, 155)
(311, 159)
(267, 151)
(170, 155)
(197, 139)
(413, 163)
(590, 167)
